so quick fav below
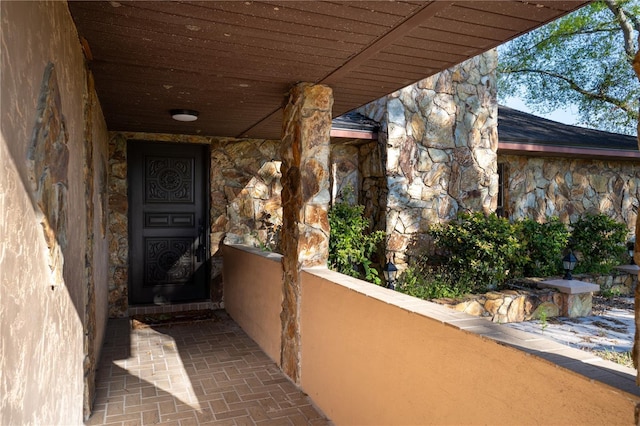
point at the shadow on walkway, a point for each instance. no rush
(207, 372)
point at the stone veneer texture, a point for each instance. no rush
(245, 196)
(244, 203)
(305, 156)
(538, 187)
(441, 137)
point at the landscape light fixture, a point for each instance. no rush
(631, 244)
(569, 263)
(184, 114)
(390, 272)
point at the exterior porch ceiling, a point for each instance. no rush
(234, 61)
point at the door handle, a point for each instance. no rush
(200, 251)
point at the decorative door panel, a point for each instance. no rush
(167, 205)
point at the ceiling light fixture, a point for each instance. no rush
(184, 114)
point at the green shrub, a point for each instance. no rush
(432, 282)
(351, 244)
(601, 242)
(484, 249)
(544, 244)
(475, 253)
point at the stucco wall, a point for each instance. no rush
(253, 295)
(100, 264)
(366, 360)
(43, 282)
(537, 187)
(370, 355)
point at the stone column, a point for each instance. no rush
(441, 152)
(305, 200)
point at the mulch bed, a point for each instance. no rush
(602, 304)
(171, 318)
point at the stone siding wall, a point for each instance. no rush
(245, 193)
(441, 142)
(539, 187)
(357, 176)
(245, 197)
(50, 326)
(244, 203)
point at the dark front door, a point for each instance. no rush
(167, 222)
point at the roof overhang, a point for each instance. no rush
(234, 61)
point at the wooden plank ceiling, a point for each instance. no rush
(234, 61)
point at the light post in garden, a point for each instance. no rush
(390, 272)
(569, 263)
(630, 248)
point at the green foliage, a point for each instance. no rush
(542, 316)
(432, 281)
(610, 293)
(484, 249)
(601, 242)
(267, 238)
(478, 252)
(351, 245)
(622, 358)
(580, 59)
(544, 244)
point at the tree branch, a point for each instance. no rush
(627, 26)
(568, 35)
(600, 96)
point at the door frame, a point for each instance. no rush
(206, 191)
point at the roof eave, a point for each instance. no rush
(536, 150)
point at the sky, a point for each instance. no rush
(566, 116)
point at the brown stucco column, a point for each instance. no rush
(305, 200)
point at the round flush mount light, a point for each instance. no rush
(184, 114)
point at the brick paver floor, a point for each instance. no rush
(207, 372)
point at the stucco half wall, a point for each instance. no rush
(370, 355)
(253, 294)
(367, 359)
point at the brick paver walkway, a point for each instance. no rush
(207, 372)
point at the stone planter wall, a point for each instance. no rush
(568, 188)
(617, 282)
(441, 141)
(523, 305)
(510, 305)
(519, 305)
